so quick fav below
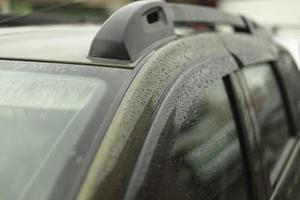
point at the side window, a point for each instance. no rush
(266, 100)
(198, 154)
(291, 77)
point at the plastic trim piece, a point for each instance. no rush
(132, 30)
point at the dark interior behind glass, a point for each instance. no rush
(267, 103)
(199, 157)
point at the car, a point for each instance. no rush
(165, 101)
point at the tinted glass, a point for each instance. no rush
(291, 76)
(49, 116)
(36, 112)
(198, 157)
(267, 102)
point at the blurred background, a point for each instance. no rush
(282, 13)
(281, 17)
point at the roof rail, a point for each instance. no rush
(143, 25)
(190, 13)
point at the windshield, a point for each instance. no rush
(44, 118)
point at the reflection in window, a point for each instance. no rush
(267, 103)
(39, 115)
(199, 158)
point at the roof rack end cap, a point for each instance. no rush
(132, 30)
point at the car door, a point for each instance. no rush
(289, 77)
(157, 72)
(192, 149)
(271, 98)
(275, 134)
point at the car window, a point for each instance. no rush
(266, 100)
(291, 77)
(198, 155)
(49, 116)
(37, 112)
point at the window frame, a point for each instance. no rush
(289, 178)
(244, 115)
(246, 50)
(285, 92)
(289, 146)
(135, 176)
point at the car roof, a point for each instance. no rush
(50, 43)
(126, 37)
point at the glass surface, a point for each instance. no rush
(52, 119)
(291, 76)
(37, 112)
(269, 109)
(201, 157)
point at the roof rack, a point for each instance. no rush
(143, 25)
